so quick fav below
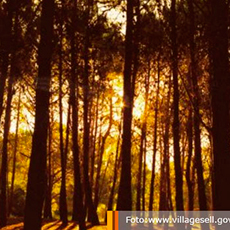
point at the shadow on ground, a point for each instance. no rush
(54, 225)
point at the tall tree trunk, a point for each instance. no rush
(169, 204)
(142, 154)
(92, 213)
(78, 207)
(48, 194)
(68, 127)
(212, 188)
(4, 166)
(189, 161)
(140, 169)
(144, 178)
(124, 194)
(199, 166)
(151, 196)
(116, 168)
(165, 193)
(14, 155)
(136, 32)
(94, 142)
(169, 192)
(62, 201)
(163, 200)
(5, 38)
(220, 103)
(176, 123)
(189, 164)
(102, 149)
(37, 170)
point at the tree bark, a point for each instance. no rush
(48, 194)
(116, 168)
(94, 142)
(4, 166)
(78, 207)
(37, 170)
(166, 148)
(142, 153)
(220, 102)
(176, 123)
(102, 149)
(151, 196)
(139, 176)
(199, 166)
(5, 38)
(124, 194)
(4, 163)
(14, 155)
(163, 200)
(62, 202)
(189, 161)
(92, 213)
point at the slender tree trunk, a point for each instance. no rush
(164, 186)
(166, 196)
(116, 171)
(142, 154)
(37, 170)
(94, 142)
(141, 173)
(189, 161)
(4, 163)
(169, 204)
(220, 103)
(151, 196)
(48, 194)
(124, 193)
(162, 200)
(144, 174)
(189, 165)
(102, 149)
(14, 155)
(212, 188)
(116, 168)
(78, 207)
(169, 192)
(176, 123)
(4, 166)
(199, 166)
(68, 127)
(62, 202)
(92, 213)
(5, 38)
(139, 176)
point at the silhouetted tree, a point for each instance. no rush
(37, 171)
(220, 102)
(125, 195)
(176, 123)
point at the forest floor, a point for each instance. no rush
(57, 225)
(54, 225)
(17, 224)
